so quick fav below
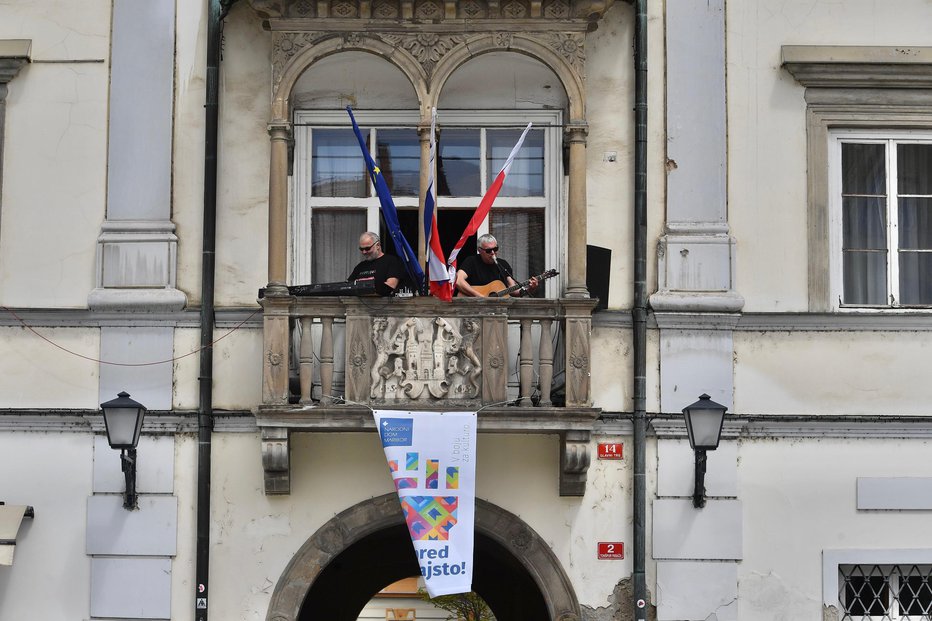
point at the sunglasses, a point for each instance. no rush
(489, 250)
(367, 248)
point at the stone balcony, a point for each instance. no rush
(522, 364)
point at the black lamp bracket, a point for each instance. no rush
(699, 493)
(128, 459)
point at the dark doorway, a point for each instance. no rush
(366, 547)
(349, 581)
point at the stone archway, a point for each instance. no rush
(516, 571)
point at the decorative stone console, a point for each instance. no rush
(423, 354)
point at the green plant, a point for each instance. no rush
(461, 606)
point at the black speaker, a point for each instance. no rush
(598, 273)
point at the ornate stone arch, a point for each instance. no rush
(428, 53)
(370, 516)
(561, 52)
(295, 52)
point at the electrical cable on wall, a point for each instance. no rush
(126, 364)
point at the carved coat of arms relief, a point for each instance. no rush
(423, 359)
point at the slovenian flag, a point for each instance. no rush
(440, 284)
(482, 211)
(389, 212)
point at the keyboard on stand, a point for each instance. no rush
(332, 289)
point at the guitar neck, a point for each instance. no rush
(521, 285)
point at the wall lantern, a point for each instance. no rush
(704, 420)
(123, 418)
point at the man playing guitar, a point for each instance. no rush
(480, 270)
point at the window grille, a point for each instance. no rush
(885, 592)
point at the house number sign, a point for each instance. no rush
(611, 550)
(611, 450)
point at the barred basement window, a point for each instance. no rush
(885, 592)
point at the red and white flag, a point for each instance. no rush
(440, 284)
(482, 211)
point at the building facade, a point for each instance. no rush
(763, 237)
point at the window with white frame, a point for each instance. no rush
(881, 194)
(334, 201)
(885, 592)
(874, 94)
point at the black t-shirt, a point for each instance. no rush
(381, 269)
(479, 273)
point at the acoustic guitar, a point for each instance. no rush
(498, 289)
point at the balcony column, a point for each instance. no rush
(359, 350)
(578, 332)
(545, 357)
(526, 373)
(495, 357)
(306, 360)
(276, 341)
(280, 135)
(576, 219)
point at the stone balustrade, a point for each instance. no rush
(523, 364)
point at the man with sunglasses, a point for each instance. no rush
(386, 270)
(484, 268)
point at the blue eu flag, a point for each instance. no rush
(389, 212)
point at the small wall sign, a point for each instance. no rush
(611, 450)
(611, 550)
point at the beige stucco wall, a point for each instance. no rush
(243, 190)
(243, 163)
(237, 365)
(51, 573)
(799, 498)
(50, 566)
(610, 113)
(799, 493)
(609, 105)
(184, 563)
(613, 368)
(188, 143)
(767, 132)
(332, 472)
(54, 188)
(872, 373)
(59, 29)
(36, 374)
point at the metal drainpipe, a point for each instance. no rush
(205, 377)
(639, 312)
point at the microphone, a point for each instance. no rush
(501, 270)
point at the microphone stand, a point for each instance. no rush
(506, 275)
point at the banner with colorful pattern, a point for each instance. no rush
(432, 460)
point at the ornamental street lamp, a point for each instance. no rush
(123, 419)
(704, 420)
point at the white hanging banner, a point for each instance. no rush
(432, 459)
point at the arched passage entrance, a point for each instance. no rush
(367, 547)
